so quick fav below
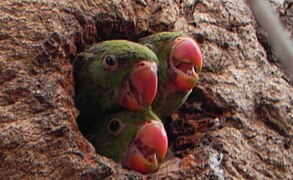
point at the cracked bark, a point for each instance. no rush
(236, 124)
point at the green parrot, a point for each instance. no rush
(180, 61)
(111, 76)
(137, 140)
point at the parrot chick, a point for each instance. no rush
(137, 140)
(114, 75)
(180, 61)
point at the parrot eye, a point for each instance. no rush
(110, 63)
(115, 126)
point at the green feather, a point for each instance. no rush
(167, 100)
(114, 145)
(97, 85)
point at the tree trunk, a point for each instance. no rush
(237, 124)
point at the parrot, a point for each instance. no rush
(137, 140)
(112, 76)
(180, 62)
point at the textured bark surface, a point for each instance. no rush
(238, 122)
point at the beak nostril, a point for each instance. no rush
(178, 39)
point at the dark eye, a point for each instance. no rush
(110, 63)
(115, 126)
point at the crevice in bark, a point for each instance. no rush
(189, 128)
(112, 26)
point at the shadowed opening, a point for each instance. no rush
(187, 127)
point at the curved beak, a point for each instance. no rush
(148, 148)
(186, 63)
(140, 88)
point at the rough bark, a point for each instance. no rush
(238, 122)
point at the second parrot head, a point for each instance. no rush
(180, 58)
(137, 140)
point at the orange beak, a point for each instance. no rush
(186, 63)
(148, 148)
(140, 89)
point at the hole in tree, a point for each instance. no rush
(185, 130)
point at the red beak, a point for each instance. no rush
(186, 62)
(148, 148)
(141, 87)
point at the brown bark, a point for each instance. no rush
(238, 122)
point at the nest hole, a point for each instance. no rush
(187, 127)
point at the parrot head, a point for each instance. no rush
(179, 56)
(117, 72)
(137, 140)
